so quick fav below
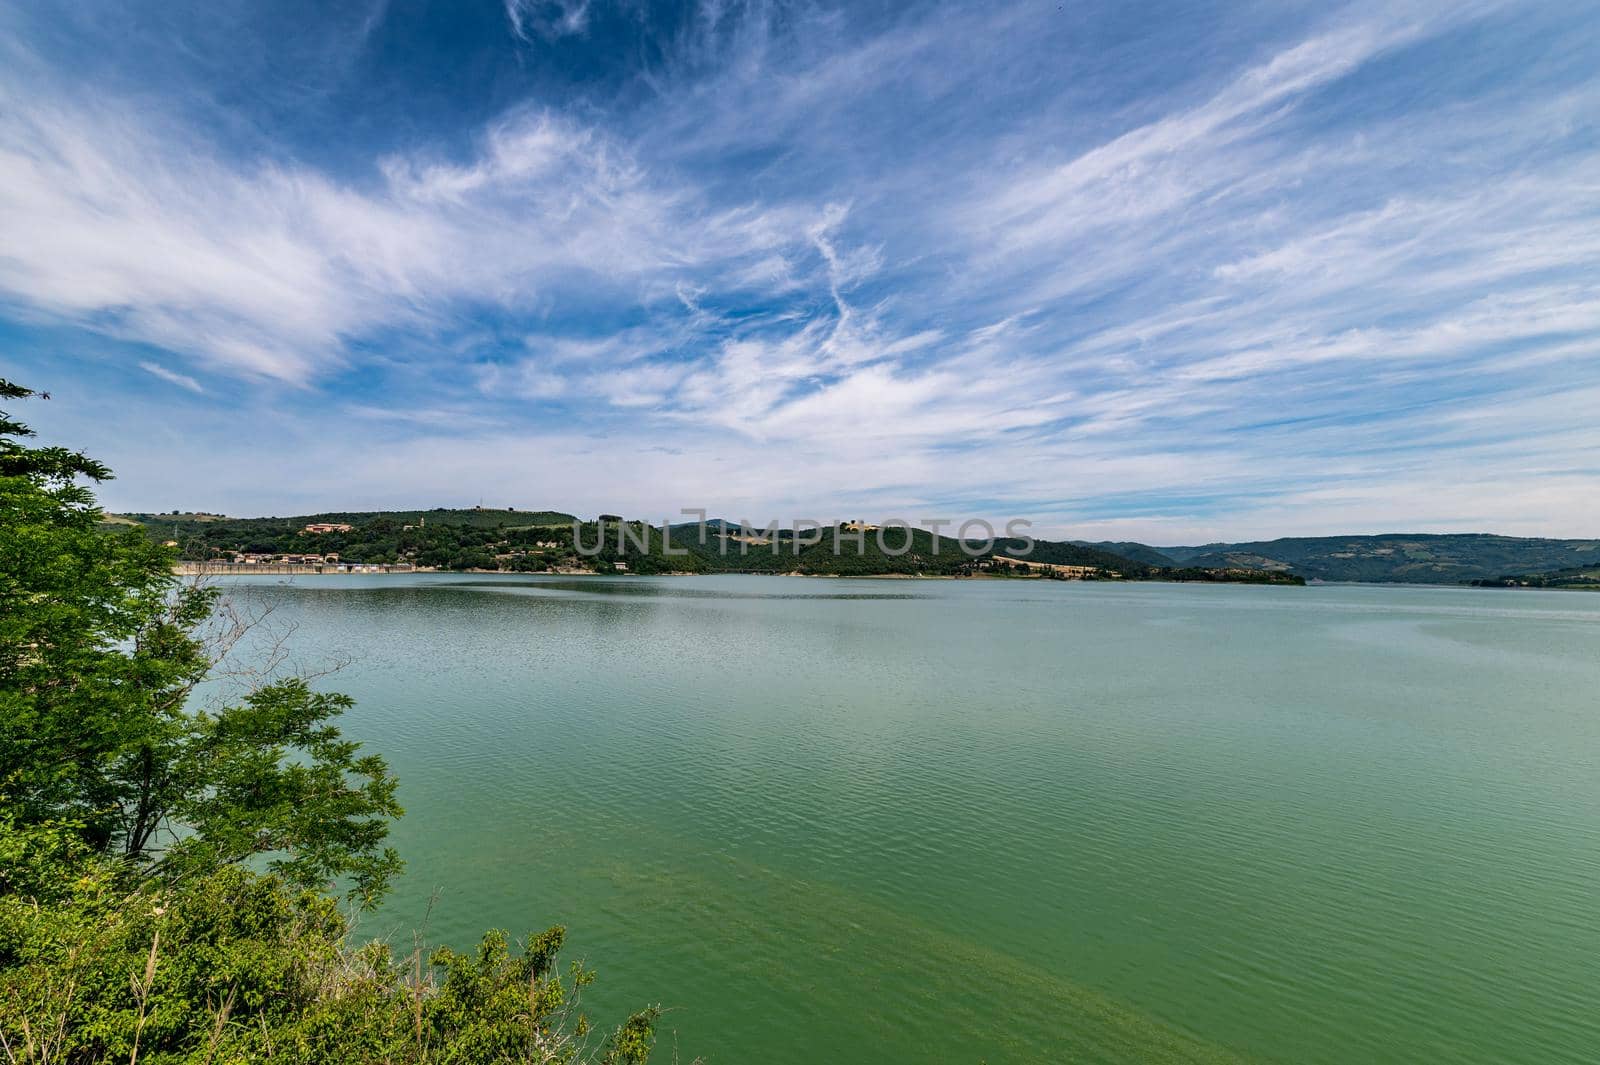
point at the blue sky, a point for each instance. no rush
(1173, 272)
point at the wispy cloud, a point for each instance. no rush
(549, 19)
(273, 270)
(172, 376)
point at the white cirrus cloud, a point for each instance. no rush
(172, 377)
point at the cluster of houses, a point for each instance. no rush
(252, 558)
(327, 563)
(523, 552)
(330, 527)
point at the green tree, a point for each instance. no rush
(131, 928)
(98, 659)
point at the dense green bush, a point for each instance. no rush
(232, 966)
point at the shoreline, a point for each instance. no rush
(214, 569)
(200, 569)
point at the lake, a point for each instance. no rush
(1010, 821)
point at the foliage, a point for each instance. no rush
(1130, 550)
(321, 814)
(232, 966)
(98, 658)
(163, 867)
(1229, 575)
(1069, 554)
(1586, 578)
(442, 539)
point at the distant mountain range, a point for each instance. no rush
(1411, 558)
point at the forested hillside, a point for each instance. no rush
(551, 541)
(1397, 557)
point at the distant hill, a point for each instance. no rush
(468, 538)
(730, 548)
(1392, 557)
(1071, 553)
(1150, 556)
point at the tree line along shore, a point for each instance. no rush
(543, 541)
(510, 541)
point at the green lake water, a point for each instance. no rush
(894, 822)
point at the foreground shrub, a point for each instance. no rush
(235, 966)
